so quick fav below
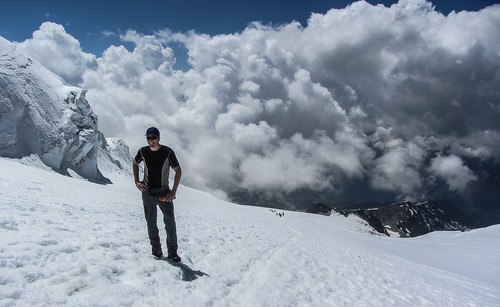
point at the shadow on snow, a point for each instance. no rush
(188, 274)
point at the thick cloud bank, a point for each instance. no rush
(59, 52)
(399, 98)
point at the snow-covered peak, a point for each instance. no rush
(114, 159)
(42, 115)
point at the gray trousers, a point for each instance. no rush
(150, 212)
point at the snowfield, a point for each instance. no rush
(67, 241)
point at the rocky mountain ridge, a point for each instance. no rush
(403, 219)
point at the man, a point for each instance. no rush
(158, 159)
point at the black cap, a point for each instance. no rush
(153, 131)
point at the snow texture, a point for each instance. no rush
(68, 241)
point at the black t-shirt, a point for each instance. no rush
(157, 165)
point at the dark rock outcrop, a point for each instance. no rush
(404, 218)
(410, 220)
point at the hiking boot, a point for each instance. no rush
(157, 253)
(174, 258)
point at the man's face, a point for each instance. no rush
(152, 140)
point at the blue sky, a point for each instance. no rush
(88, 20)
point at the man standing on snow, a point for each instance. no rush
(158, 159)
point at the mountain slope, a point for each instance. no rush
(66, 241)
(41, 115)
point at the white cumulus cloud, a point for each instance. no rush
(453, 171)
(360, 93)
(59, 52)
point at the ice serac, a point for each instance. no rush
(40, 114)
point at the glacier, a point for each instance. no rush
(41, 115)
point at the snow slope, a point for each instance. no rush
(67, 241)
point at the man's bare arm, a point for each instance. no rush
(177, 180)
(135, 169)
